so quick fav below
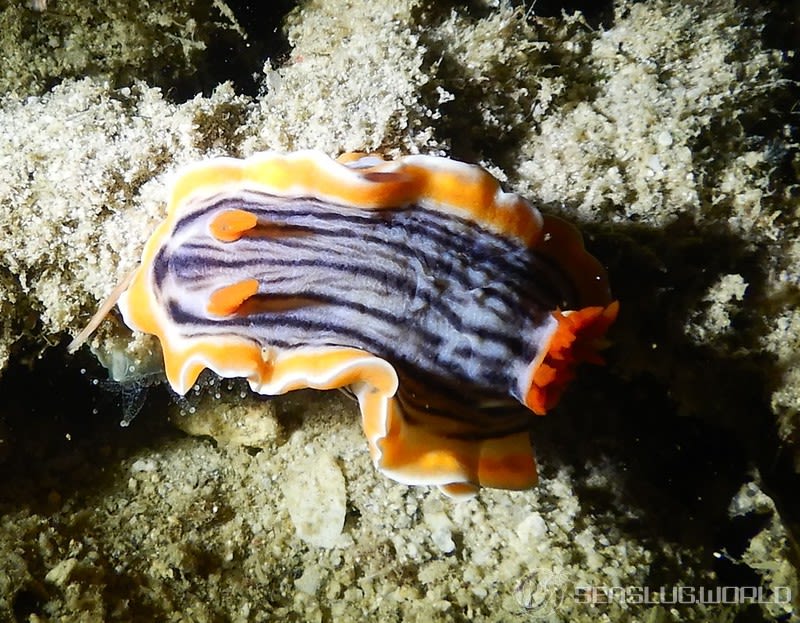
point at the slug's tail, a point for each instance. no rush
(578, 338)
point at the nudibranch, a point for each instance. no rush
(449, 308)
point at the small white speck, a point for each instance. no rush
(664, 139)
(654, 164)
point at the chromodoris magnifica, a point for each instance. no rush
(450, 308)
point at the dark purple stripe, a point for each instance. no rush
(488, 252)
(397, 283)
(491, 377)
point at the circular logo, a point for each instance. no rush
(538, 595)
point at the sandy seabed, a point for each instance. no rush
(665, 130)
